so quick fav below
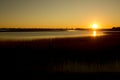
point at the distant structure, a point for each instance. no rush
(116, 28)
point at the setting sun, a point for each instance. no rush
(94, 26)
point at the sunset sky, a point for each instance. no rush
(59, 13)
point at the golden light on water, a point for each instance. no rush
(94, 33)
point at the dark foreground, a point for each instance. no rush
(83, 57)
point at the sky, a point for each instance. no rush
(59, 13)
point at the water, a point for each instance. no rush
(48, 34)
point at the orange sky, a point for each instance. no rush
(59, 13)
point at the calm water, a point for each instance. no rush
(48, 34)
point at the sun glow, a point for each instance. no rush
(94, 26)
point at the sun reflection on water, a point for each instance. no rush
(94, 33)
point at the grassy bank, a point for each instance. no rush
(86, 54)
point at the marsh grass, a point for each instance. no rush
(87, 54)
(76, 66)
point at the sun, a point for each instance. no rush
(94, 26)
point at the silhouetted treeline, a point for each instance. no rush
(37, 29)
(28, 29)
(116, 28)
(51, 29)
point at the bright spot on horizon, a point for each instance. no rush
(94, 26)
(94, 33)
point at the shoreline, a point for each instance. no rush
(67, 54)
